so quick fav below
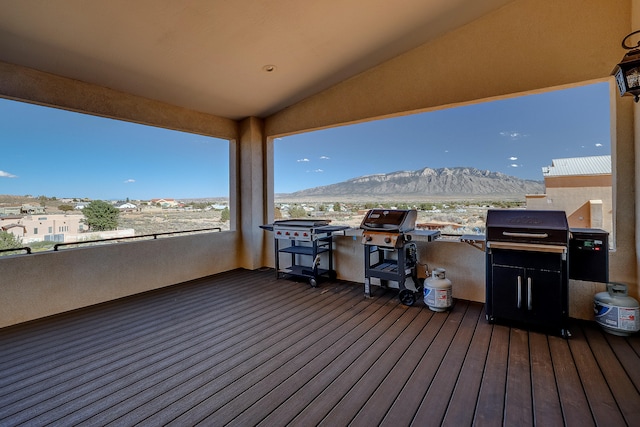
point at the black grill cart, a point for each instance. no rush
(527, 268)
(303, 243)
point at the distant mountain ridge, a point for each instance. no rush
(451, 182)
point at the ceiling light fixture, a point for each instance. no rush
(269, 68)
(627, 72)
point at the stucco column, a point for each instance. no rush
(635, 126)
(251, 191)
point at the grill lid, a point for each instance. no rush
(306, 223)
(394, 220)
(527, 226)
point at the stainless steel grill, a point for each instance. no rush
(390, 257)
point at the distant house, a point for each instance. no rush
(165, 203)
(22, 210)
(127, 207)
(17, 230)
(580, 186)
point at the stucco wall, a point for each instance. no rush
(47, 283)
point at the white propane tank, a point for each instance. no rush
(616, 311)
(437, 291)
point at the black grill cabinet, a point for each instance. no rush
(589, 255)
(527, 269)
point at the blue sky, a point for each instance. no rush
(52, 152)
(515, 136)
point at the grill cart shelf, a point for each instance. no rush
(307, 241)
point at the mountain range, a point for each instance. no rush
(427, 182)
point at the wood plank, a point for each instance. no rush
(245, 348)
(518, 406)
(118, 344)
(490, 407)
(221, 374)
(327, 388)
(461, 407)
(214, 364)
(365, 383)
(373, 331)
(629, 359)
(546, 400)
(405, 406)
(624, 392)
(603, 406)
(113, 377)
(295, 393)
(573, 401)
(67, 395)
(435, 402)
(385, 394)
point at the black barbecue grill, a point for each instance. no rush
(527, 268)
(390, 257)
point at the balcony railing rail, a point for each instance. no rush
(142, 236)
(57, 246)
(26, 248)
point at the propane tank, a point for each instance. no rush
(616, 311)
(437, 291)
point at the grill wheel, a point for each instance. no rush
(407, 297)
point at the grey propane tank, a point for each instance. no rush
(616, 311)
(437, 291)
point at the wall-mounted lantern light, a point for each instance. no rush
(627, 72)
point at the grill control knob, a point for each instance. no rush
(387, 240)
(368, 238)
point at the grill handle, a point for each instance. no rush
(529, 302)
(532, 235)
(519, 291)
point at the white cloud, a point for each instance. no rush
(598, 145)
(302, 160)
(513, 165)
(4, 174)
(128, 181)
(318, 170)
(324, 157)
(512, 135)
(512, 158)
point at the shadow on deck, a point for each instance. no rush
(243, 348)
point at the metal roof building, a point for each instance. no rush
(593, 165)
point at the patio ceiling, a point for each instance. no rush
(210, 55)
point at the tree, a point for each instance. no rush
(65, 208)
(225, 215)
(297, 212)
(100, 216)
(9, 241)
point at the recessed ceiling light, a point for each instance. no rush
(269, 68)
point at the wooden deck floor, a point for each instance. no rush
(242, 348)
